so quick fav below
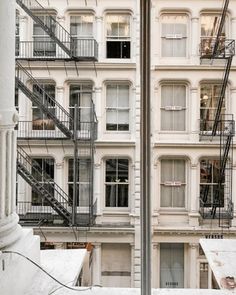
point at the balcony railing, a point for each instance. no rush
(82, 49)
(35, 213)
(46, 129)
(226, 126)
(222, 48)
(223, 211)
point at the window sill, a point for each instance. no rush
(116, 210)
(177, 211)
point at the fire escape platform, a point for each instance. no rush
(64, 265)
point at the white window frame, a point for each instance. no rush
(174, 108)
(45, 36)
(118, 38)
(174, 184)
(54, 170)
(116, 108)
(175, 36)
(211, 84)
(45, 119)
(206, 43)
(128, 183)
(211, 183)
(79, 208)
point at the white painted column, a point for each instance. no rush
(195, 40)
(97, 264)
(193, 196)
(23, 32)
(98, 37)
(98, 108)
(60, 95)
(60, 98)
(59, 51)
(193, 248)
(155, 265)
(9, 230)
(132, 265)
(194, 114)
(59, 174)
(97, 189)
(24, 103)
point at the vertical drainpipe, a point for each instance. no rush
(145, 138)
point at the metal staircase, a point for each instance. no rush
(30, 171)
(222, 127)
(49, 106)
(69, 47)
(59, 44)
(56, 32)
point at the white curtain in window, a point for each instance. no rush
(173, 107)
(173, 183)
(174, 35)
(172, 265)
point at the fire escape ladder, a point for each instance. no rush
(222, 95)
(220, 48)
(52, 28)
(30, 171)
(46, 103)
(227, 133)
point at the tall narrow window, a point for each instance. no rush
(43, 44)
(118, 35)
(47, 167)
(40, 119)
(209, 28)
(117, 182)
(209, 183)
(209, 99)
(172, 265)
(81, 95)
(174, 35)
(82, 182)
(117, 107)
(81, 28)
(173, 107)
(173, 183)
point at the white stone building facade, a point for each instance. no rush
(179, 87)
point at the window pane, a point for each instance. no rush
(178, 196)
(172, 183)
(173, 99)
(166, 196)
(111, 170)
(122, 195)
(174, 33)
(172, 265)
(111, 195)
(111, 95)
(123, 100)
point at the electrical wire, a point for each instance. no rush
(37, 265)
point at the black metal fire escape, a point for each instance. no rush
(221, 127)
(65, 125)
(31, 172)
(71, 46)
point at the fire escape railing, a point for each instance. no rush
(46, 103)
(222, 126)
(31, 172)
(74, 48)
(56, 122)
